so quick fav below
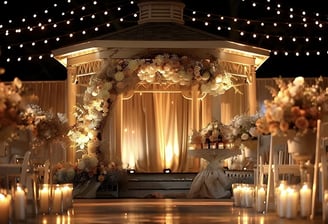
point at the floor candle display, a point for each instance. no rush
(260, 198)
(19, 203)
(5, 202)
(44, 199)
(292, 202)
(67, 190)
(305, 200)
(57, 200)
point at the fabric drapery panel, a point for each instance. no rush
(138, 119)
(52, 94)
(155, 131)
(233, 104)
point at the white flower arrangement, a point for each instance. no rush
(296, 106)
(13, 101)
(121, 75)
(243, 127)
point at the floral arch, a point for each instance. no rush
(121, 75)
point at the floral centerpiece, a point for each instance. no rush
(243, 127)
(88, 174)
(295, 106)
(293, 112)
(209, 137)
(13, 100)
(46, 126)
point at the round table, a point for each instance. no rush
(212, 181)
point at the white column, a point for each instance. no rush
(71, 102)
(252, 92)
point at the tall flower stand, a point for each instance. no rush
(320, 166)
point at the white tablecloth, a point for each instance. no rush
(212, 181)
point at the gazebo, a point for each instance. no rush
(161, 30)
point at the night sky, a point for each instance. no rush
(287, 28)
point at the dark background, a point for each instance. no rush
(238, 16)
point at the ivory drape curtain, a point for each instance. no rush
(52, 95)
(155, 131)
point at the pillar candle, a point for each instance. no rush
(248, 194)
(44, 204)
(67, 190)
(281, 206)
(57, 202)
(277, 192)
(260, 199)
(325, 209)
(305, 201)
(292, 201)
(236, 190)
(4, 208)
(20, 203)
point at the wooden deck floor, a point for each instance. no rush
(162, 211)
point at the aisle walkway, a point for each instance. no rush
(162, 211)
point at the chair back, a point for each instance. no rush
(25, 168)
(46, 172)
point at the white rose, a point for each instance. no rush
(244, 136)
(253, 132)
(298, 81)
(277, 113)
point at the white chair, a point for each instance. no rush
(26, 169)
(15, 171)
(46, 172)
(274, 162)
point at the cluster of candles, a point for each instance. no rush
(249, 196)
(293, 200)
(55, 199)
(290, 200)
(13, 204)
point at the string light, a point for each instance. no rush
(245, 27)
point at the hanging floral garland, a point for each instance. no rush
(121, 75)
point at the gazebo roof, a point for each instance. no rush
(161, 29)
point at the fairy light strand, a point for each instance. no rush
(86, 17)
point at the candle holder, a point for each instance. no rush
(243, 195)
(5, 203)
(67, 190)
(260, 198)
(57, 199)
(44, 199)
(305, 200)
(280, 205)
(292, 201)
(288, 201)
(20, 203)
(236, 193)
(247, 196)
(325, 209)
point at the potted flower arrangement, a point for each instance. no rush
(293, 112)
(243, 129)
(213, 136)
(89, 175)
(13, 105)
